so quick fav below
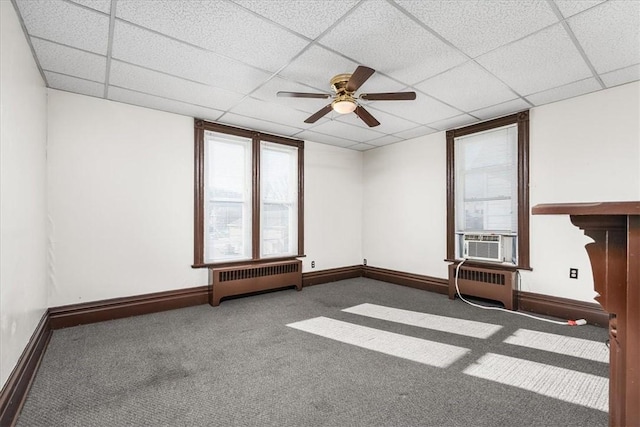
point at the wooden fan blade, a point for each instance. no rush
(366, 117)
(389, 96)
(358, 77)
(321, 113)
(303, 95)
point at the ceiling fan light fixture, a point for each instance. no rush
(344, 105)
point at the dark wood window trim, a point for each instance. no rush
(200, 126)
(522, 120)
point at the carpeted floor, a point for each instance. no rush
(396, 357)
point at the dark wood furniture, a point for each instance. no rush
(615, 261)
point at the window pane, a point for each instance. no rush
(279, 200)
(276, 220)
(228, 197)
(226, 238)
(486, 181)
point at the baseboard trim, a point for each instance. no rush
(418, 281)
(117, 308)
(15, 390)
(563, 308)
(331, 275)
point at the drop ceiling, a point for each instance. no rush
(224, 61)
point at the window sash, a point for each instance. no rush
(278, 200)
(487, 181)
(227, 230)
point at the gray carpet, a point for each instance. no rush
(240, 365)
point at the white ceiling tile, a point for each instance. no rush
(380, 83)
(572, 7)
(222, 27)
(141, 47)
(74, 84)
(67, 60)
(66, 23)
(155, 83)
(622, 76)
(309, 17)
(544, 60)
(476, 27)
(316, 66)
(609, 34)
(380, 36)
(416, 132)
(103, 6)
(504, 109)
(385, 140)
(362, 147)
(343, 130)
(563, 92)
(388, 123)
(259, 109)
(423, 110)
(453, 122)
(162, 104)
(467, 87)
(258, 125)
(310, 135)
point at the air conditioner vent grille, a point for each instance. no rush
(483, 237)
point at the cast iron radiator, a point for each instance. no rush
(490, 283)
(243, 279)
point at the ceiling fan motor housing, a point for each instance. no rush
(339, 83)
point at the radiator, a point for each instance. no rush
(244, 279)
(493, 284)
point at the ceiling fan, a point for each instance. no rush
(344, 100)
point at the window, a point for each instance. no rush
(248, 196)
(487, 191)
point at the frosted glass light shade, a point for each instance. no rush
(344, 106)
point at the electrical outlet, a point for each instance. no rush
(313, 264)
(573, 273)
(365, 261)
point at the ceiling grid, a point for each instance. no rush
(225, 60)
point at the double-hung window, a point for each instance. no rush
(488, 198)
(248, 196)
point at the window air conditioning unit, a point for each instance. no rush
(485, 247)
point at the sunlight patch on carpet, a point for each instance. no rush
(563, 384)
(469, 328)
(570, 346)
(418, 350)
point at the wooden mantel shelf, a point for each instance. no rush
(598, 208)
(615, 261)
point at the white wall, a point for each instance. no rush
(404, 221)
(333, 207)
(23, 295)
(582, 149)
(121, 201)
